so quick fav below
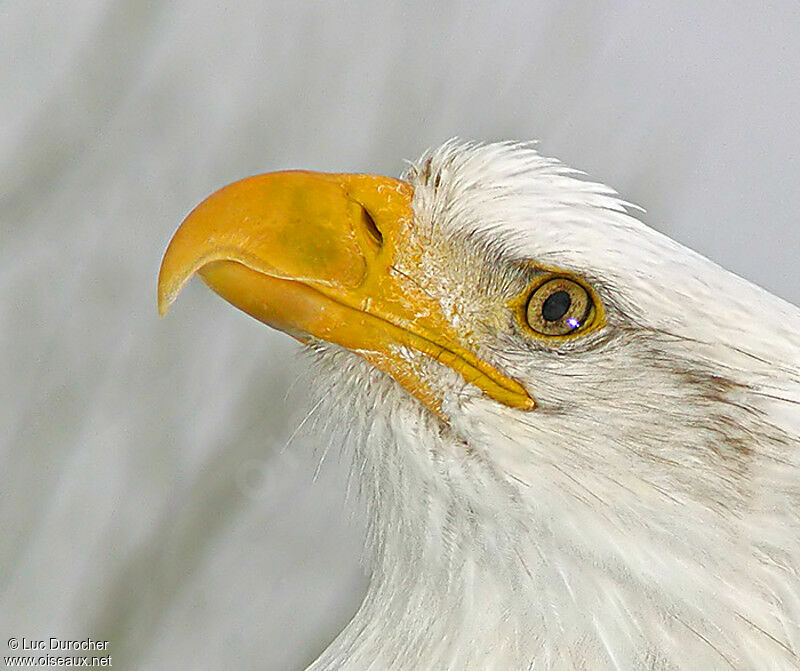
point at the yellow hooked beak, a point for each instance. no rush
(312, 254)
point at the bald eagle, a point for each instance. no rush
(578, 441)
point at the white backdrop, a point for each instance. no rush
(145, 498)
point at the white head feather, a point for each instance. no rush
(645, 516)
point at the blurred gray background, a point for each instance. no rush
(146, 496)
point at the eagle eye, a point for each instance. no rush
(559, 306)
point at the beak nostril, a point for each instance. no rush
(372, 228)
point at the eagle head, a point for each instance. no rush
(577, 439)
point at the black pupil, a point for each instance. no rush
(556, 306)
